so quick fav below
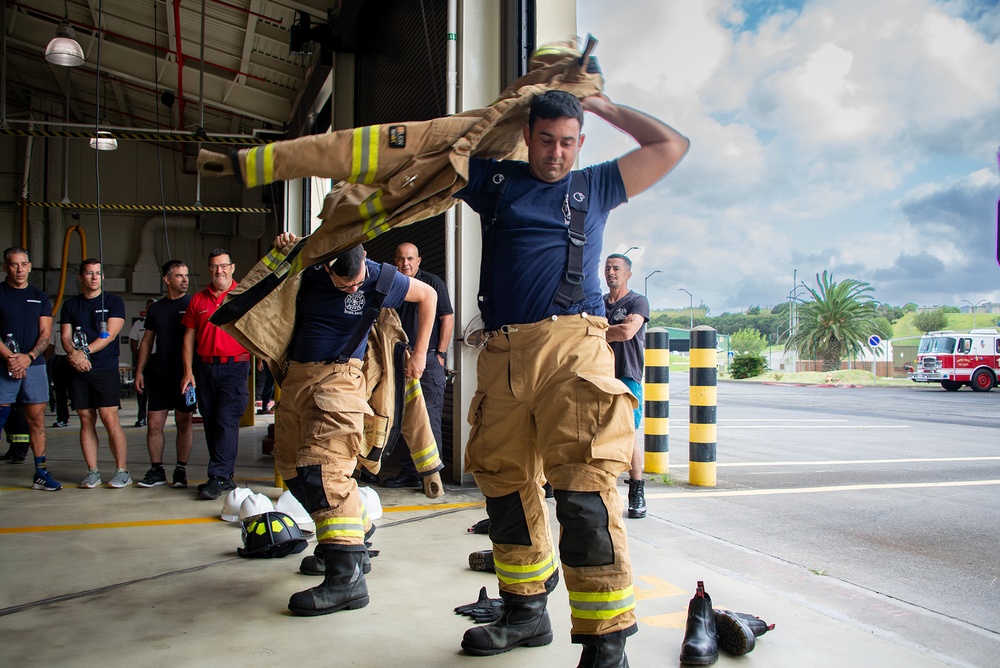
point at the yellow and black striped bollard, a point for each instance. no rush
(702, 409)
(656, 412)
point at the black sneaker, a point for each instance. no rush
(140, 423)
(215, 486)
(636, 499)
(154, 477)
(180, 478)
(60, 423)
(403, 479)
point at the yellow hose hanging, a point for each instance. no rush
(65, 257)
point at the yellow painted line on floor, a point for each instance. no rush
(822, 490)
(841, 462)
(110, 525)
(442, 506)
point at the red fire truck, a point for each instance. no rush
(955, 360)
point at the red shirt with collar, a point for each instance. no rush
(210, 341)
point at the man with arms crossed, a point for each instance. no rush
(628, 313)
(158, 377)
(26, 313)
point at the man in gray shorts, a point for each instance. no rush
(25, 326)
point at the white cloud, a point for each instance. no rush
(844, 135)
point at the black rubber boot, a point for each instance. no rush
(524, 621)
(636, 499)
(604, 652)
(738, 631)
(735, 636)
(313, 563)
(701, 642)
(343, 588)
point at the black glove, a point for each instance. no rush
(484, 610)
(482, 526)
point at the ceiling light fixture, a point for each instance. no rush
(104, 141)
(64, 49)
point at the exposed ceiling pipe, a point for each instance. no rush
(180, 64)
(146, 276)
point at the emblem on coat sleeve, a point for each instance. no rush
(397, 136)
(354, 304)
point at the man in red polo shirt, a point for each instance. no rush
(218, 366)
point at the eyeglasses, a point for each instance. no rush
(346, 288)
(220, 267)
(92, 274)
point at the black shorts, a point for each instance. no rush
(95, 389)
(163, 392)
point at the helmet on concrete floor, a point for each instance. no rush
(287, 503)
(255, 504)
(232, 503)
(272, 534)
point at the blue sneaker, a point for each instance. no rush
(45, 482)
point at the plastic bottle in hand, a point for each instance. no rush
(80, 340)
(13, 347)
(190, 398)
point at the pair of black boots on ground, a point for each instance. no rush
(709, 629)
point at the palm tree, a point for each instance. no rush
(833, 320)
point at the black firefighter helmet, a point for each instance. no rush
(272, 534)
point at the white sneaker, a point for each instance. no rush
(120, 479)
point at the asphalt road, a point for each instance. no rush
(894, 491)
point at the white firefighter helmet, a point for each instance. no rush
(255, 504)
(288, 504)
(373, 505)
(231, 505)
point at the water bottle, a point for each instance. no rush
(189, 395)
(13, 347)
(80, 340)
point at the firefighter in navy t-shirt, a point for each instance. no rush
(95, 387)
(25, 315)
(324, 399)
(548, 404)
(628, 313)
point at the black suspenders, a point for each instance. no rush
(574, 210)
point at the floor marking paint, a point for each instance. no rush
(205, 520)
(660, 588)
(820, 490)
(835, 462)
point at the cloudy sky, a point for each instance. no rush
(856, 136)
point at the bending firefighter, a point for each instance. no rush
(324, 401)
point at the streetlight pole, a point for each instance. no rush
(630, 248)
(974, 307)
(690, 309)
(645, 284)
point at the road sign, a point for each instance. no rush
(874, 340)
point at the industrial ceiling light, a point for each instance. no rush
(64, 49)
(104, 141)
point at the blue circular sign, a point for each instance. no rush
(874, 340)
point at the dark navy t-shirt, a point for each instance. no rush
(629, 355)
(530, 240)
(88, 315)
(408, 312)
(326, 316)
(164, 319)
(20, 310)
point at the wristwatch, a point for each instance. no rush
(30, 357)
(443, 354)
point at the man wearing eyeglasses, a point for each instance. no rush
(95, 387)
(218, 367)
(324, 399)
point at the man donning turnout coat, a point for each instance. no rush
(572, 367)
